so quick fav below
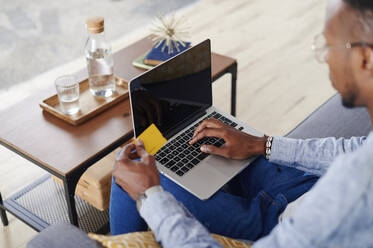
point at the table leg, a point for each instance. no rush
(4, 218)
(69, 186)
(233, 71)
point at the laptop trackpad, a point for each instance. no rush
(225, 166)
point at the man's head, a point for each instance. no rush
(351, 69)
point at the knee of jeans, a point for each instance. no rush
(117, 194)
(114, 185)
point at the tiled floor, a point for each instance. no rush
(279, 82)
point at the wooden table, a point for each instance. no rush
(67, 151)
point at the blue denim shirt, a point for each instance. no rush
(337, 212)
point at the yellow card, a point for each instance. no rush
(153, 139)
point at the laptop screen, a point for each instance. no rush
(171, 93)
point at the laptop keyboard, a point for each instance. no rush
(180, 157)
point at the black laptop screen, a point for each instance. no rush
(171, 93)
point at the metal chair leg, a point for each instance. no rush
(4, 218)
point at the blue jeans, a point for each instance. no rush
(259, 194)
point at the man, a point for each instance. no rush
(336, 212)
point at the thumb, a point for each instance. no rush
(140, 148)
(214, 150)
(139, 142)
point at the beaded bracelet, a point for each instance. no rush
(268, 146)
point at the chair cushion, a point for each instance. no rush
(62, 235)
(147, 239)
(333, 120)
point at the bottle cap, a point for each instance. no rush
(95, 25)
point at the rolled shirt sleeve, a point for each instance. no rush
(172, 224)
(311, 155)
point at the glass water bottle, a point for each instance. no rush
(99, 59)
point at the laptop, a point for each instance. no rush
(176, 96)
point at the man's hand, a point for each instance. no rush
(135, 177)
(238, 145)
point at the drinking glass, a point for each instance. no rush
(68, 94)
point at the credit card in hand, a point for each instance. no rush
(153, 139)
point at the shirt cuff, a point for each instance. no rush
(157, 207)
(283, 150)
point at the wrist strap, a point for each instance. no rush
(268, 147)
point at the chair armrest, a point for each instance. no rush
(333, 120)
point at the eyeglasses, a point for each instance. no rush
(321, 48)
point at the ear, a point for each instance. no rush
(362, 63)
(367, 59)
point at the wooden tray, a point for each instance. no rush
(90, 105)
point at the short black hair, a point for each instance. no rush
(361, 5)
(364, 10)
